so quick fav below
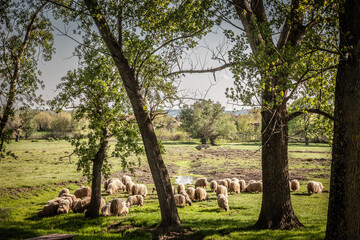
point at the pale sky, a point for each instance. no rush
(63, 61)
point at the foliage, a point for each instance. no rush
(97, 88)
(248, 126)
(44, 120)
(60, 124)
(206, 120)
(25, 35)
(28, 125)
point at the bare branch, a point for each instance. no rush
(209, 70)
(317, 111)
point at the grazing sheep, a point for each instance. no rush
(139, 189)
(181, 200)
(82, 192)
(64, 191)
(105, 210)
(191, 193)
(125, 179)
(242, 185)
(49, 210)
(118, 207)
(251, 181)
(180, 188)
(223, 202)
(235, 179)
(82, 205)
(200, 194)
(234, 187)
(224, 183)
(71, 199)
(221, 190)
(315, 187)
(213, 185)
(135, 200)
(295, 185)
(129, 186)
(64, 207)
(114, 187)
(228, 181)
(201, 182)
(254, 187)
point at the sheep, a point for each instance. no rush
(191, 193)
(200, 194)
(135, 200)
(82, 205)
(201, 182)
(64, 191)
(82, 192)
(139, 189)
(213, 185)
(114, 187)
(71, 199)
(129, 186)
(181, 200)
(49, 210)
(234, 187)
(118, 207)
(251, 181)
(180, 188)
(315, 187)
(221, 190)
(242, 185)
(235, 179)
(224, 183)
(105, 210)
(64, 207)
(187, 198)
(223, 202)
(254, 187)
(228, 181)
(125, 179)
(295, 185)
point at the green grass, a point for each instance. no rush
(19, 205)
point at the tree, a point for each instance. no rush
(143, 38)
(344, 201)
(60, 124)
(282, 53)
(98, 89)
(206, 120)
(28, 125)
(25, 34)
(43, 120)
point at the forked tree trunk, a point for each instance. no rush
(344, 203)
(94, 207)
(276, 209)
(170, 219)
(203, 140)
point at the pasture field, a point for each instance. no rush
(38, 174)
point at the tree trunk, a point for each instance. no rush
(344, 201)
(203, 140)
(307, 141)
(170, 219)
(276, 209)
(212, 141)
(94, 207)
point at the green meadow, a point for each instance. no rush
(43, 168)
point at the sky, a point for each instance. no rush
(63, 61)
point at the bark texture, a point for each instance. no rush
(94, 207)
(169, 214)
(344, 203)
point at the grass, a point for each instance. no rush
(26, 189)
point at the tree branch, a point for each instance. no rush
(317, 111)
(209, 70)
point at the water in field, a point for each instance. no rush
(184, 180)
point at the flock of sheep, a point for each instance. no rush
(80, 200)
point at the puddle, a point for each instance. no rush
(183, 180)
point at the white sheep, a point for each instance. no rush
(129, 186)
(64, 207)
(82, 192)
(50, 209)
(191, 193)
(200, 194)
(221, 190)
(235, 179)
(315, 187)
(139, 189)
(118, 207)
(180, 188)
(223, 202)
(295, 185)
(181, 200)
(105, 210)
(64, 191)
(228, 181)
(82, 205)
(135, 200)
(201, 182)
(254, 187)
(242, 185)
(234, 187)
(125, 179)
(213, 185)
(224, 183)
